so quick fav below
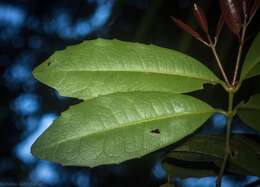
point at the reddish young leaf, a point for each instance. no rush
(200, 17)
(185, 27)
(231, 12)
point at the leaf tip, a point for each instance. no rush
(200, 17)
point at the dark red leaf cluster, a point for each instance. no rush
(234, 13)
(231, 11)
(200, 18)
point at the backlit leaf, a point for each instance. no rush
(100, 67)
(113, 128)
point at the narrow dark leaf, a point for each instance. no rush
(200, 17)
(185, 27)
(231, 12)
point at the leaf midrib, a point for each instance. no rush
(199, 152)
(129, 125)
(216, 80)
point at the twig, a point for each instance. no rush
(252, 15)
(219, 29)
(242, 41)
(213, 48)
(204, 42)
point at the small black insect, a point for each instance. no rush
(156, 131)
(49, 63)
(234, 154)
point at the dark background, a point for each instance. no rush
(31, 30)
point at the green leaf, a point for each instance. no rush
(167, 185)
(175, 170)
(249, 112)
(251, 65)
(114, 128)
(188, 164)
(190, 156)
(100, 67)
(206, 153)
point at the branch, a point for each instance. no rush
(242, 41)
(228, 135)
(212, 46)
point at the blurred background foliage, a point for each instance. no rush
(31, 30)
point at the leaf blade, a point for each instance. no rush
(120, 127)
(210, 149)
(186, 28)
(251, 66)
(249, 112)
(101, 67)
